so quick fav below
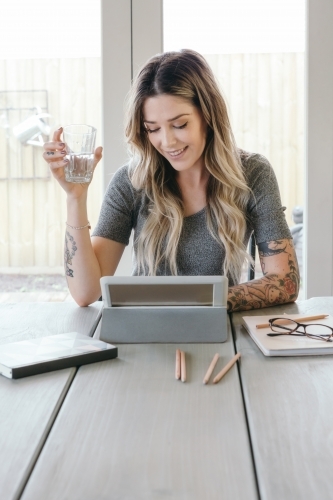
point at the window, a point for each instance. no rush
(256, 50)
(50, 76)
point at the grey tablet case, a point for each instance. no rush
(45, 354)
(164, 309)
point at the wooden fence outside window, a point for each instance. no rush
(265, 95)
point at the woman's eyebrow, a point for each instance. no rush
(171, 119)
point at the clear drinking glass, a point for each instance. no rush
(80, 146)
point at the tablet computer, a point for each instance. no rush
(164, 309)
(120, 291)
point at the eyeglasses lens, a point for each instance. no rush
(318, 331)
(280, 325)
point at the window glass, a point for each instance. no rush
(256, 50)
(49, 77)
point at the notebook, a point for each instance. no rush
(30, 357)
(286, 345)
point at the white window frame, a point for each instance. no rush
(318, 244)
(132, 31)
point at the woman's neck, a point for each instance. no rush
(193, 186)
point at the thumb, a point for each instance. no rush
(98, 154)
(57, 135)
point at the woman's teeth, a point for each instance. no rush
(176, 153)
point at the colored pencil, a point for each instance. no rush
(299, 320)
(177, 371)
(226, 368)
(211, 368)
(182, 366)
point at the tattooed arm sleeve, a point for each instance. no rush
(69, 252)
(280, 281)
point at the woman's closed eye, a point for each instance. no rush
(181, 126)
(151, 131)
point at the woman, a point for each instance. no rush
(190, 195)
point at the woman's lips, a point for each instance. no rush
(176, 153)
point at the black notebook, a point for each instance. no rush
(45, 354)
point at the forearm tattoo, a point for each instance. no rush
(69, 254)
(271, 289)
(270, 248)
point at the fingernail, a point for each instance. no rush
(66, 160)
(63, 152)
(59, 128)
(61, 144)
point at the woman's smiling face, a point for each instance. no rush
(177, 130)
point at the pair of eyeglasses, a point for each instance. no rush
(285, 326)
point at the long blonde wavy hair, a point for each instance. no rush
(186, 74)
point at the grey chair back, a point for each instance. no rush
(252, 252)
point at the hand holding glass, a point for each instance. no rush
(80, 146)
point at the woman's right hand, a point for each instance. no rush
(55, 155)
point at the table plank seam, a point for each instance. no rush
(45, 435)
(233, 332)
(53, 418)
(95, 323)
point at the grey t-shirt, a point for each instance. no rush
(125, 209)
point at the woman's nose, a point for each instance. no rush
(168, 139)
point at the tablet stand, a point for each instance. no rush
(164, 309)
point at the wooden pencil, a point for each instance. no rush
(182, 366)
(299, 320)
(211, 368)
(177, 371)
(226, 368)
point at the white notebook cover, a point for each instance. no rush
(286, 345)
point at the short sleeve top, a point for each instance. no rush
(125, 209)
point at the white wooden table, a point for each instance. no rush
(129, 430)
(29, 406)
(289, 404)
